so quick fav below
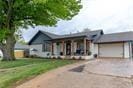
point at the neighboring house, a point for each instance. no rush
(84, 45)
(20, 46)
(20, 50)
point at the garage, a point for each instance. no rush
(111, 50)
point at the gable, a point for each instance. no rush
(39, 38)
(97, 37)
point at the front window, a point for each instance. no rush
(46, 47)
(80, 46)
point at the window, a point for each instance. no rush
(46, 47)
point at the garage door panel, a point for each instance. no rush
(111, 50)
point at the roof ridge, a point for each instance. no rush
(47, 32)
(83, 32)
(119, 32)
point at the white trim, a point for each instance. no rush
(126, 50)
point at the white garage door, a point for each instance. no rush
(111, 50)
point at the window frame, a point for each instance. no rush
(46, 47)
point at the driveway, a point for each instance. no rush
(113, 67)
(100, 73)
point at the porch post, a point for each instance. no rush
(72, 47)
(63, 47)
(52, 50)
(84, 46)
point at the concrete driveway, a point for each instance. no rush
(113, 67)
(100, 73)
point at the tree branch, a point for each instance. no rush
(9, 14)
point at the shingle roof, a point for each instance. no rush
(116, 37)
(21, 46)
(51, 35)
(87, 34)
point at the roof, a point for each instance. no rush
(51, 35)
(116, 37)
(80, 34)
(88, 34)
(21, 46)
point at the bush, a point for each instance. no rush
(59, 57)
(53, 57)
(95, 55)
(89, 53)
(73, 58)
(33, 56)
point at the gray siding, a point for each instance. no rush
(40, 38)
(39, 52)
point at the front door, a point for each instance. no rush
(68, 48)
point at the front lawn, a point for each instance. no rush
(21, 69)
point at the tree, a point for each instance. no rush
(22, 13)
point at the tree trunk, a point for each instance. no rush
(7, 46)
(8, 49)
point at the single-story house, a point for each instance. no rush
(21, 46)
(84, 45)
(20, 50)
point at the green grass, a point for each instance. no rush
(21, 69)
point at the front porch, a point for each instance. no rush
(79, 48)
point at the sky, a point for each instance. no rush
(109, 15)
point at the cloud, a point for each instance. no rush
(109, 15)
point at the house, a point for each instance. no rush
(84, 45)
(20, 50)
(21, 46)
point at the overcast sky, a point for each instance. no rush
(109, 15)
